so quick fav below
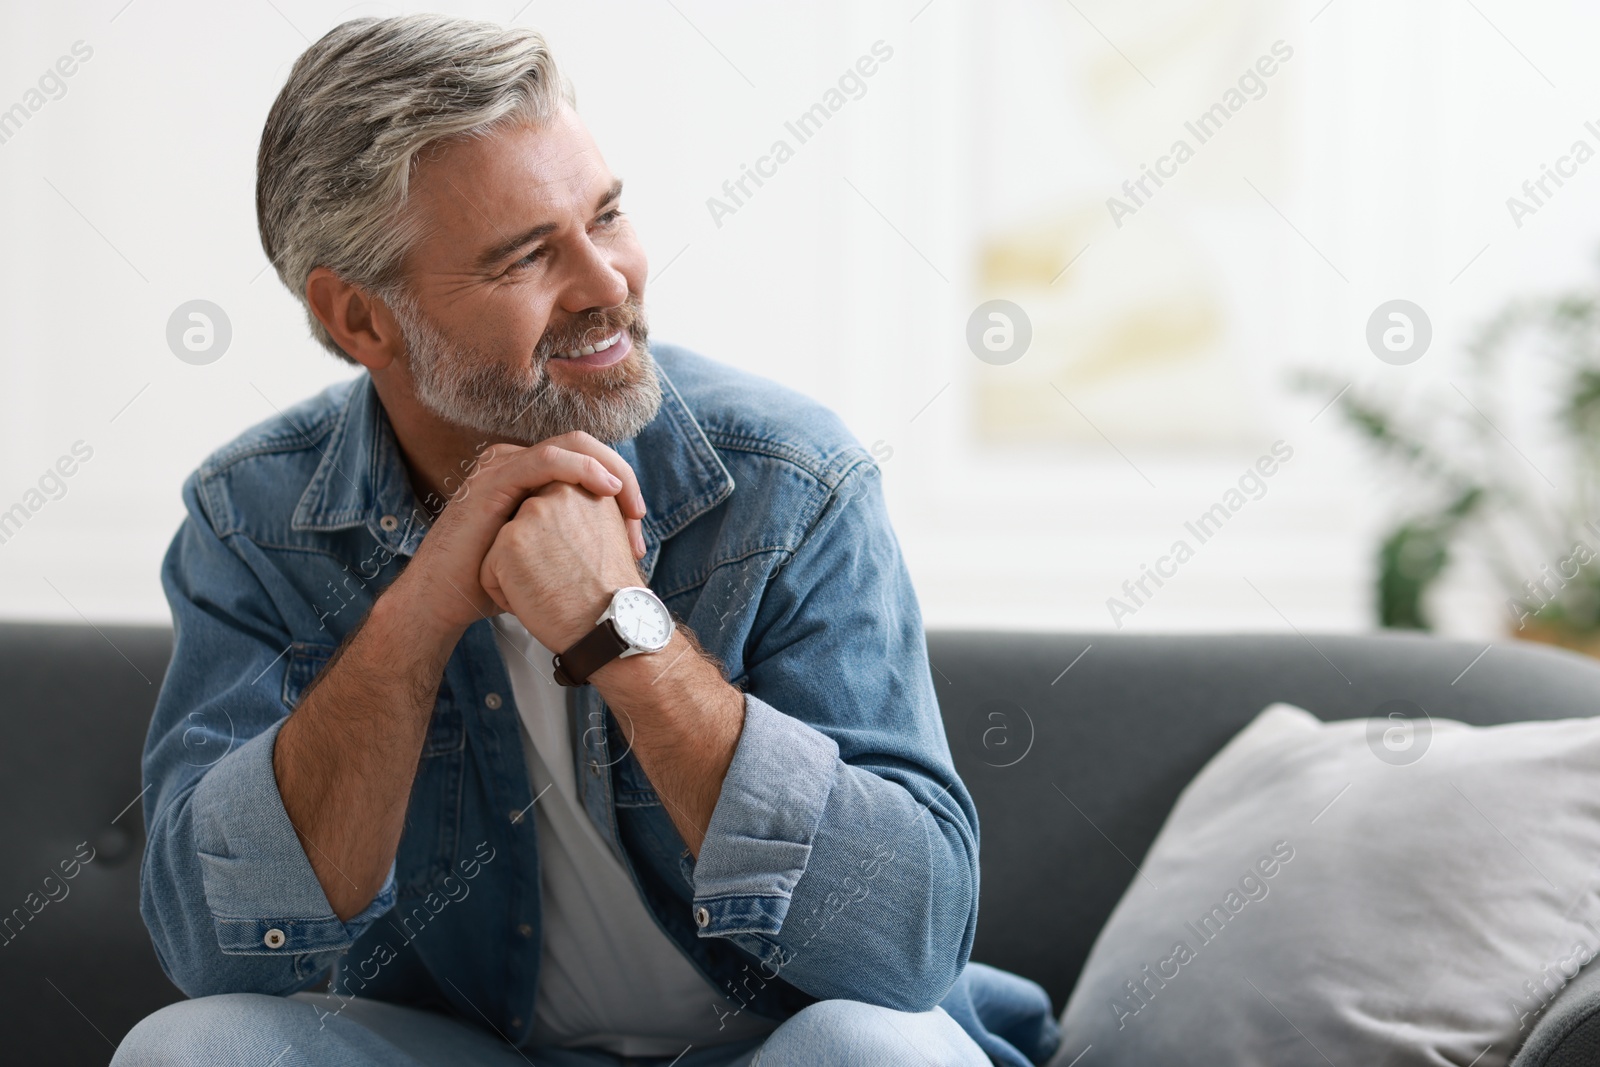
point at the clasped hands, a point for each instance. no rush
(557, 562)
(547, 533)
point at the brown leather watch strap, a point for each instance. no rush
(591, 652)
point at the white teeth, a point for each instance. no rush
(589, 350)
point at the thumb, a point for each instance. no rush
(489, 579)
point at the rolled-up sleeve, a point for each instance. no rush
(843, 849)
(226, 890)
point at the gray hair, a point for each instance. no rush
(337, 150)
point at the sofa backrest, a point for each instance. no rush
(78, 974)
(1072, 773)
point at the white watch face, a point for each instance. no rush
(641, 619)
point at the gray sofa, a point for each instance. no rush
(1121, 732)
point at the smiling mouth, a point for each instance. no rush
(589, 350)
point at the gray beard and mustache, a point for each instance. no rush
(464, 384)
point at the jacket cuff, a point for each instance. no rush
(759, 840)
(264, 897)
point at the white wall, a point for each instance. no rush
(1390, 143)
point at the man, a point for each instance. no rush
(553, 750)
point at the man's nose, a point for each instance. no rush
(595, 282)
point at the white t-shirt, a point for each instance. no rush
(609, 977)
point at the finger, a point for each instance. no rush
(491, 584)
(507, 474)
(631, 499)
(636, 537)
(528, 471)
(578, 468)
(532, 471)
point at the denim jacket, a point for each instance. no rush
(841, 860)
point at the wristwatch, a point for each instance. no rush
(635, 623)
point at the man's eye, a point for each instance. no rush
(609, 217)
(532, 257)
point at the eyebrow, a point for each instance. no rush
(499, 252)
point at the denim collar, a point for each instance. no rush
(362, 480)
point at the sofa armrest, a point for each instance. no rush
(1567, 1033)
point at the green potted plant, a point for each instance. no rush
(1471, 487)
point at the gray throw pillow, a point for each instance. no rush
(1388, 891)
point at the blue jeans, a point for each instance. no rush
(256, 1030)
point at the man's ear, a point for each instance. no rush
(359, 322)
